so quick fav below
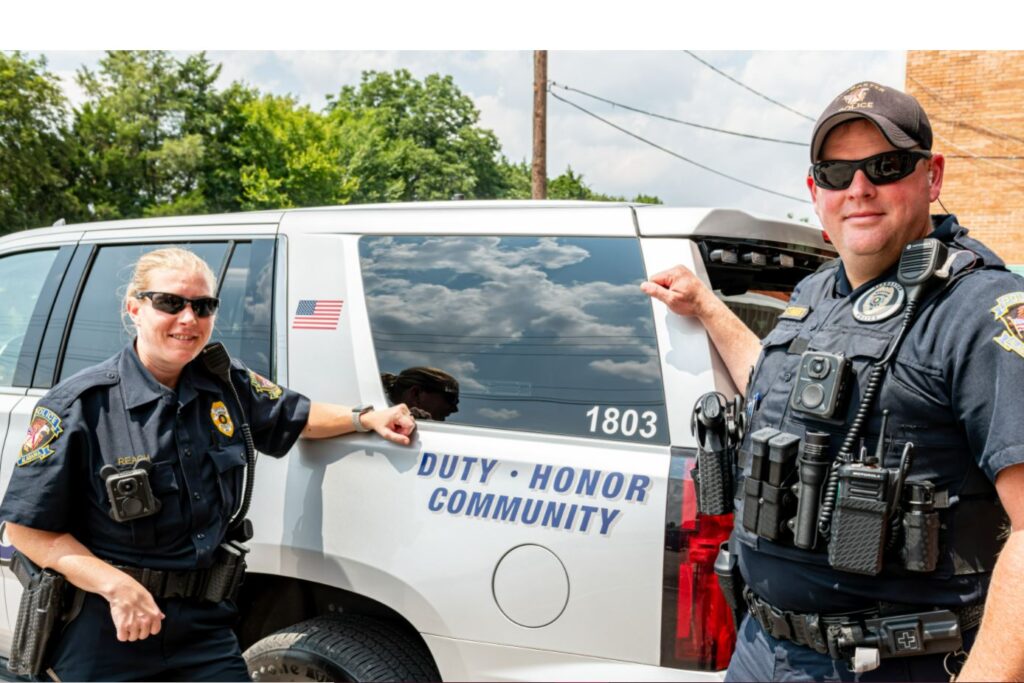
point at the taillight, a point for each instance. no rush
(703, 636)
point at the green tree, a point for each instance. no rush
(568, 185)
(430, 136)
(151, 137)
(33, 155)
(288, 155)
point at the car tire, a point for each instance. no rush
(340, 648)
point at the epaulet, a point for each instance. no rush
(70, 389)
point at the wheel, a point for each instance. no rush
(340, 648)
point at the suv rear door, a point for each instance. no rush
(752, 264)
(534, 516)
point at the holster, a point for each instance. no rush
(730, 581)
(38, 615)
(227, 573)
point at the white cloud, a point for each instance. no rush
(512, 300)
(669, 83)
(647, 372)
(503, 414)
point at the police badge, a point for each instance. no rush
(222, 419)
(881, 302)
(1009, 309)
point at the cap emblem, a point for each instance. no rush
(855, 97)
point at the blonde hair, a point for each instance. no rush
(169, 258)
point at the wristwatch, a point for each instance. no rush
(357, 414)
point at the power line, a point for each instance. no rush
(972, 156)
(674, 120)
(677, 155)
(744, 85)
(994, 132)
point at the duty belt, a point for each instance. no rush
(219, 582)
(892, 630)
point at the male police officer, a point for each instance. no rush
(901, 553)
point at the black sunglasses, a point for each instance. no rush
(881, 169)
(203, 306)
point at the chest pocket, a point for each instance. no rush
(153, 530)
(774, 368)
(229, 462)
(864, 347)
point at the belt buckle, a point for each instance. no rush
(780, 624)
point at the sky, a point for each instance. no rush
(668, 83)
(634, 53)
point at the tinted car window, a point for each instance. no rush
(542, 334)
(97, 331)
(244, 322)
(21, 279)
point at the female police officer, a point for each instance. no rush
(149, 609)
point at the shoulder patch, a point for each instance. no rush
(1009, 309)
(262, 385)
(795, 313)
(44, 428)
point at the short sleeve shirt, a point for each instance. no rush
(116, 413)
(954, 390)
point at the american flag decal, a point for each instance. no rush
(317, 314)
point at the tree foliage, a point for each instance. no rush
(435, 147)
(33, 153)
(155, 136)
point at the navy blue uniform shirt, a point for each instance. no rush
(955, 390)
(118, 413)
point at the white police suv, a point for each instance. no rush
(547, 529)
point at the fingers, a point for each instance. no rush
(657, 291)
(397, 425)
(394, 437)
(135, 614)
(138, 626)
(679, 289)
(667, 278)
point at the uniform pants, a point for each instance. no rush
(195, 643)
(759, 657)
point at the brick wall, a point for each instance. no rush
(975, 102)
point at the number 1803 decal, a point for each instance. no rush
(625, 422)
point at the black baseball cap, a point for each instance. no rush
(899, 117)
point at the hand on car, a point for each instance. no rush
(680, 290)
(395, 424)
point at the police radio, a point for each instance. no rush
(129, 492)
(218, 363)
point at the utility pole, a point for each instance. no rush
(539, 176)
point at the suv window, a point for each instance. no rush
(542, 334)
(97, 331)
(21, 280)
(244, 322)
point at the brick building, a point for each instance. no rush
(975, 101)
